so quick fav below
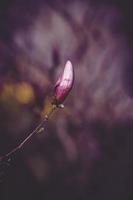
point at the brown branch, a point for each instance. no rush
(38, 129)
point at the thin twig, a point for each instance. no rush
(38, 129)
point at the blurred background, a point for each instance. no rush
(86, 149)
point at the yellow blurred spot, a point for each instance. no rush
(7, 91)
(24, 93)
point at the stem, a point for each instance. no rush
(38, 129)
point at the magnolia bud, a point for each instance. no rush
(64, 84)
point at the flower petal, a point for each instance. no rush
(64, 84)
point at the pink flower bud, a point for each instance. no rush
(64, 84)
